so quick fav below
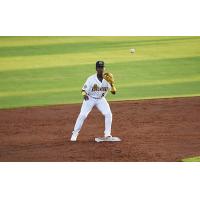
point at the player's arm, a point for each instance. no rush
(85, 89)
(85, 96)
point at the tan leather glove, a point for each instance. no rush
(110, 79)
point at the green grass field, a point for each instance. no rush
(193, 159)
(52, 70)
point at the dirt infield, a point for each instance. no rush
(151, 130)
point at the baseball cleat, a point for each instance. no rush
(108, 139)
(74, 137)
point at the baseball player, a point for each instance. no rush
(94, 91)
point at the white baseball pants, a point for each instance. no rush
(103, 106)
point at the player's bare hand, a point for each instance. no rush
(85, 97)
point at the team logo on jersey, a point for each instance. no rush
(96, 88)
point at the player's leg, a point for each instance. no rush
(85, 110)
(104, 107)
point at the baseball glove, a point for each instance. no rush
(109, 78)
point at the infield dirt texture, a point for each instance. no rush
(38, 73)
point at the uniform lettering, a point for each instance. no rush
(96, 88)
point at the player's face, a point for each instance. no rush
(100, 70)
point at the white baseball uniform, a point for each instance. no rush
(96, 91)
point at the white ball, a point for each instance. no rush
(132, 50)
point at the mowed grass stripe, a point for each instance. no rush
(40, 99)
(121, 87)
(7, 41)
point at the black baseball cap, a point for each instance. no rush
(100, 64)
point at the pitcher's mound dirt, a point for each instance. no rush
(151, 130)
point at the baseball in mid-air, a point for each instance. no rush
(132, 50)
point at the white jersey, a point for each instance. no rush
(95, 88)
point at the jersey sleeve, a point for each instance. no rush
(109, 86)
(86, 85)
